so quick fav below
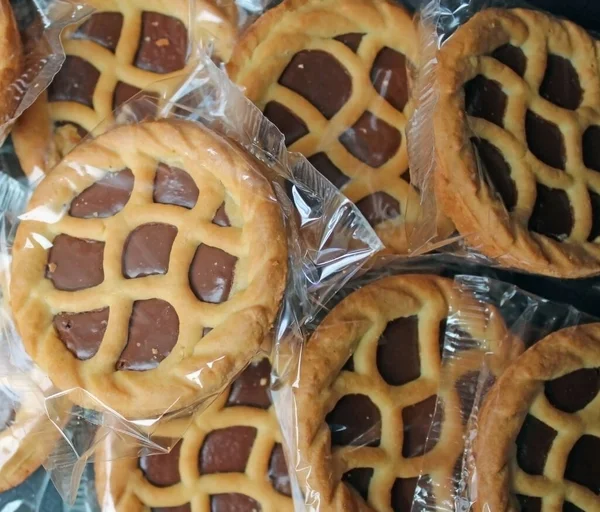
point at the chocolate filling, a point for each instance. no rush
(211, 274)
(497, 172)
(388, 76)
(398, 359)
(513, 57)
(561, 83)
(359, 479)
(533, 444)
(76, 81)
(162, 470)
(82, 333)
(233, 502)
(163, 44)
(292, 127)
(351, 40)
(147, 250)
(591, 148)
(221, 218)
(403, 492)
(278, 474)
(379, 207)
(227, 450)
(153, 332)
(75, 263)
(595, 202)
(416, 420)
(349, 365)
(570, 507)
(545, 141)
(251, 388)
(466, 387)
(529, 503)
(329, 91)
(355, 420)
(104, 198)
(8, 412)
(174, 186)
(484, 98)
(371, 140)
(181, 508)
(124, 92)
(327, 168)
(552, 214)
(582, 464)
(104, 28)
(572, 392)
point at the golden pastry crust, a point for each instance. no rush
(224, 175)
(121, 485)
(40, 144)
(519, 392)
(461, 190)
(11, 60)
(270, 44)
(352, 329)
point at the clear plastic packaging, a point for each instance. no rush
(499, 141)
(186, 232)
(32, 53)
(508, 446)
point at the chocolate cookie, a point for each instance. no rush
(518, 140)
(11, 60)
(229, 459)
(124, 47)
(339, 92)
(27, 436)
(538, 441)
(369, 380)
(140, 272)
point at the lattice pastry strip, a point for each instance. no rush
(369, 380)
(205, 467)
(524, 88)
(539, 429)
(350, 122)
(126, 46)
(205, 264)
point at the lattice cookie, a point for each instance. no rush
(517, 132)
(140, 272)
(332, 75)
(538, 442)
(369, 379)
(124, 47)
(27, 436)
(229, 459)
(11, 60)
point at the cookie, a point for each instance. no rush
(229, 459)
(27, 436)
(538, 441)
(332, 76)
(124, 47)
(140, 272)
(368, 383)
(517, 130)
(11, 60)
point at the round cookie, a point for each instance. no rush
(333, 76)
(369, 379)
(517, 130)
(11, 60)
(140, 272)
(27, 436)
(123, 47)
(229, 459)
(538, 439)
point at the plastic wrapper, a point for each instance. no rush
(349, 122)
(533, 423)
(102, 298)
(119, 50)
(31, 53)
(498, 142)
